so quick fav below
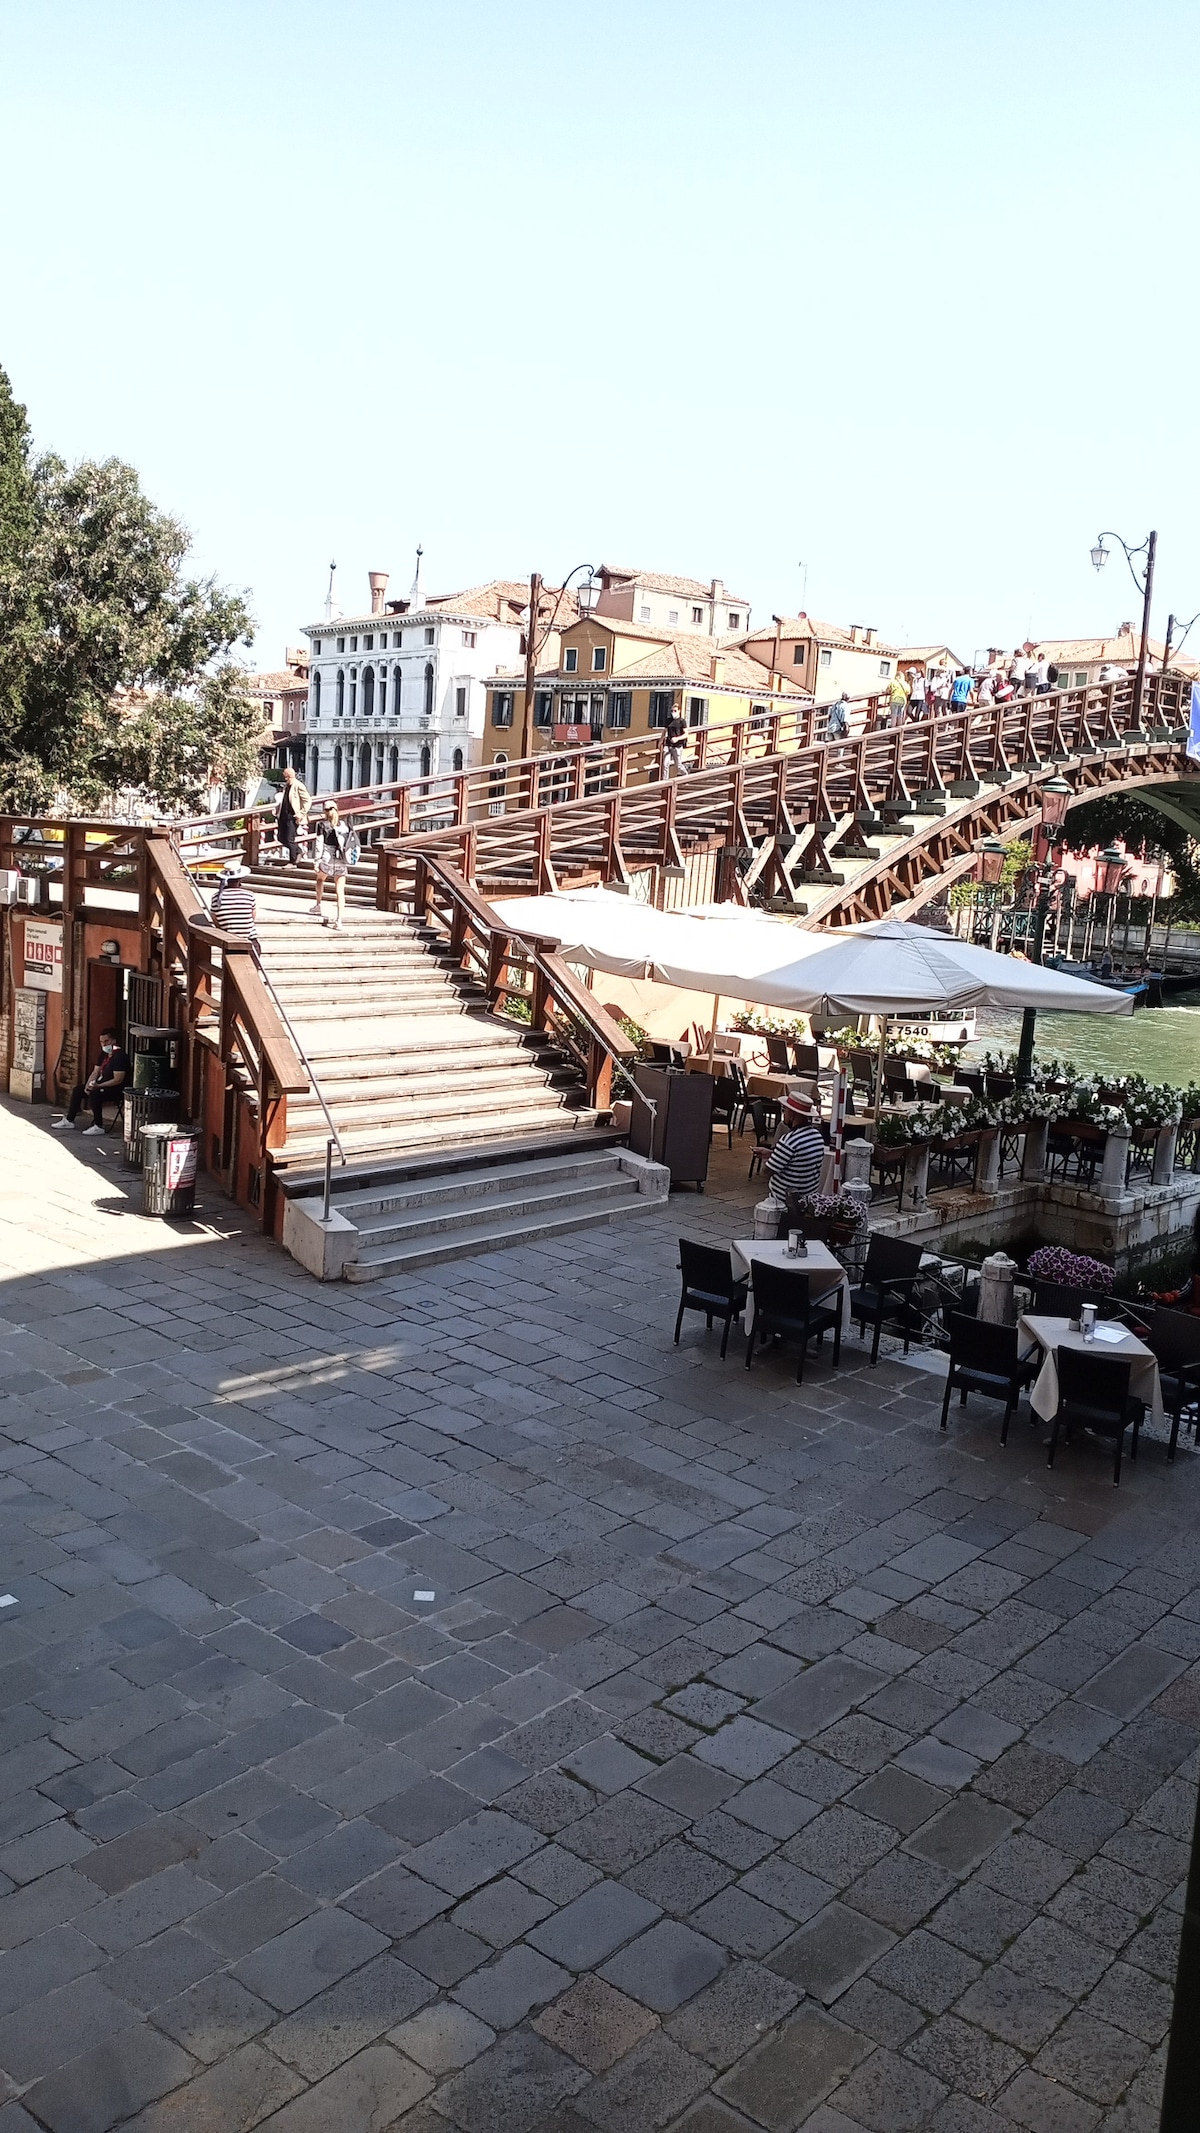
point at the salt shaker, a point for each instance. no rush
(1087, 1321)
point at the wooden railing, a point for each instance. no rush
(811, 804)
(512, 967)
(426, 805)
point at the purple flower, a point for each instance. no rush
(1071, 1270)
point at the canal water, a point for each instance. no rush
(1163, 1043)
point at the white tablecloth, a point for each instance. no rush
(818, 1262)
(1052, 1333)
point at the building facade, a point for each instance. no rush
(684, 605)
(400, 692)
(283, 699)
(824, 659)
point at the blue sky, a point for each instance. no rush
(902, 291)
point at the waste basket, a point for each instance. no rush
(146, 1107)
(152, 1070)
(170, 1159)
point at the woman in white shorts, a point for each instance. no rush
(334, 851)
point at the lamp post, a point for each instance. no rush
(535, 639)
(1056, 798)
(1145, 585)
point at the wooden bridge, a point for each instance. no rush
(834, 830)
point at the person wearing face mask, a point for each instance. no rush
(107, 1077)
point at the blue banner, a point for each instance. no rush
(1193, 746)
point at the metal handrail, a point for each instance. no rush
(306, 1062)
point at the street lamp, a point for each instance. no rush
(1112, 870)
(535, 640)
(1057, 796)
(990, 863)
(1144, 580)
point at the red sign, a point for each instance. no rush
(181, 1163)
(572, 736)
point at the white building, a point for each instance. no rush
(400, 692)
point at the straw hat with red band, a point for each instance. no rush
(800, 1109)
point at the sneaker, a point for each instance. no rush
(314, 911)
(62, 1125)
(88, 1132)
(337, 926)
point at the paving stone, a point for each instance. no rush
(296, 1965)
(505, 1992)
(879, 2014)
(473, 1852)
(646, 2090)
(250, 1915)
(1044, 2107)
(1074, 1731)
(896, 1797)
(819, 1696)
(981, 1919)
(745, 1748)
(890, 2095)
(371, 2090)
(1132, 1681)
(518, 2082)
(928, 1971)
(976, 1732)
(213, 2017)
(962, 1834)
(965, 2057)
(109, 2084)
(397, 1902)
(442, 2038)
(502, 1911)
(607, 1764)
(839, 1845)
(830, 1951)
(1066, 1961)
(737, 1920)
(443, 1952)
(731, 2016)
(46, 2033)
(1024, 1778)
(782, 2080)
(771, 1808)
(1092, 2057)
(1012, 2005)
(937, 1763)
(584, 1933)
(621, 1832)
(689, 1786)
(666, 1966)
(595, 2024)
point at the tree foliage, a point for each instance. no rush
(114, 665)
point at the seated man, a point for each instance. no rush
(107, 1077)
(235, 907)
(794, 1164)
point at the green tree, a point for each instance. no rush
(114, 665)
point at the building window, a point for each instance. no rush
(426, 759)
(697, 614)
(337, 768)
(339, 701)
(885, 668)
(460, 703)
(502, 708)
(458, 759)
(341, 644)
(661, 701)
(396, 680)
(1079, 680)
(735, 621)
(543, 708)
(364, 763)
(469, 638)
(620, 708)
(394, 765)
(354, 644)
(571, 659)
(697, 710)
(599, 658)
(797, 655)
(397, 639)
(429, 688)
(826, 658)
(429, 635)
(315, 697)
(643, 614)
(368, 700)
(672, 614)
(368, 644)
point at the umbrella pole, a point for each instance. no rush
(883, 1028)
(712, 1035)
(1025, 1049)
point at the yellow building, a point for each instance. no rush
(823, 658)
(615, 679)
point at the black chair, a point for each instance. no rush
(783, 1306)
(862, 1070)
(1093, 1393)
(886, 1288)
(806, 1059)
(709, 1285)
(1051, 1299)
(727, 1099)
(897, 1087)
(777, 1055)
(986, 1359)
(1174, 1339)
(760, 1109)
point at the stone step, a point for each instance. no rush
(475, 1183)
(383, 1105)
(342, 1070)
(429, 1137)
(381, 1260)
(430, 1224)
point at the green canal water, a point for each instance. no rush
(1163, 1043)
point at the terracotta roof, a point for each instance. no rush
(660, 581)
(793, 627)
(680, 659)
(276, 684)
(1121, 649)
(500, 600)
(925, 652)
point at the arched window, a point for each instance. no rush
(368, 700)
(458, 759)
(364, 764)
(337, 764)
(378, 778)
(426, 754)
(314, 697)
(314, 764)
(340, 698)
(429, 688)
(396, 690)
(394, 765)
(353, 691)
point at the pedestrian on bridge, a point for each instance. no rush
(897, 699)
(917, 705)
(960, 694)
(291, 816)
(337, 851)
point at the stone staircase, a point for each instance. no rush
(462, 1130)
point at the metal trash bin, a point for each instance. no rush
(170, 1160)
(146, 1107)
(153, 1070)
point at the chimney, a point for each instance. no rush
(716, 593)
(378, 581)
(717, 664)
(1126, 630)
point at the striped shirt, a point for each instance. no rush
(234, 910)
(794, 1164)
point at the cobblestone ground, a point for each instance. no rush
(448, 1705)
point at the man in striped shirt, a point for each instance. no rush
(794, 1164)
(234, 908)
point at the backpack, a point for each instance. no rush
(353, 848)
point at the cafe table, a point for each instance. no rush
(1052, 1333)
(825, 1271)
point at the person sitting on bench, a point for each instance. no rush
(107, 1077)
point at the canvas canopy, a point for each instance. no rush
(889, 967)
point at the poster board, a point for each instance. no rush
(43, 954)
(27, 1075)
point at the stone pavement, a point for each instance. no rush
(449, 1706)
